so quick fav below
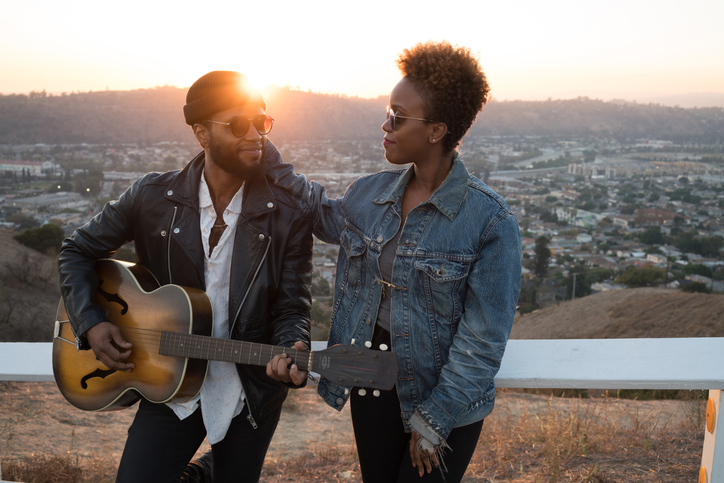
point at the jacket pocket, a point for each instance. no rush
(444, 284)
(354, 248)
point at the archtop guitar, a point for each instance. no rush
(170, 328)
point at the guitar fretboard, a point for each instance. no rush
(208, 348)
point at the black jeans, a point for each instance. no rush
(160, 445)
(384, 447)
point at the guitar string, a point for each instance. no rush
(144, 338)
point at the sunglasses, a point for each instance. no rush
(240, 126)
(394, 119)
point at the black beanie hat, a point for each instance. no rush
(217, 91)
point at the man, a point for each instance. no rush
(219, 226)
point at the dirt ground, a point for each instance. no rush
(34, 418)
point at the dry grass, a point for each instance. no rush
(588, 443)
(59, 469)
(585, 441)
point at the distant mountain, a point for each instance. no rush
(155, 115)
(692, 99)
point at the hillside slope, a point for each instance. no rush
(29, 296)
(29, 292)
(639, 312)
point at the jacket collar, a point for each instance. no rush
(448, 197)
(185, 188)
(258, 198)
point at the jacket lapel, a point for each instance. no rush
(184, 191)
(251, 243)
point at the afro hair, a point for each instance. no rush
(451, 83)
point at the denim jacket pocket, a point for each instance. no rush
(444, 284)
(354, 248)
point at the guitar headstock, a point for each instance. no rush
(350, 366)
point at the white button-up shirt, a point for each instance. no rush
(222, 395)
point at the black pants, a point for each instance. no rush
(160, 445)
(384, 447)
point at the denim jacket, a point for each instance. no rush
(458, 266)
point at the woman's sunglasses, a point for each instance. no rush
(394, 117)
(240, 126)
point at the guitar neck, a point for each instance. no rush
(192, 346)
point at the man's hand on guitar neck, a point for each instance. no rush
(109, 346)
(279, 369)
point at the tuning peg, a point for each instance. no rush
(346, 391)
(368, 344)
(353, 341)
(376, 393)
(362, 392)
(383, 347)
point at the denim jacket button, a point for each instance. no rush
(368, 321)
(379, 238)
(340, 400)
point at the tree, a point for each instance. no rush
(698, 269)
(652, 236)
(46, 239)
(320, 315)
(641, 277)
(88, 183)
(579, 280)
(548, 217)
(542, 257)
(24, 222)
(628, 209)
(321, 288)
(695, 287)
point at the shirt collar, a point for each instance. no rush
(448, 197)
(205, 197)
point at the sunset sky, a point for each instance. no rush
(629, 49)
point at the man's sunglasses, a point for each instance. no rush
(394, 117)
(240, 126)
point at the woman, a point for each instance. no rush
(429, 266)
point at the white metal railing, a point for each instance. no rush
(688, 363)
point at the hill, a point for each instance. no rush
(155, 115)
(29, 297)
(632, 313)
(29, 292)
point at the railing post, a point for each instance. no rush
(712, 457)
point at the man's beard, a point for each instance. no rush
(229, 161)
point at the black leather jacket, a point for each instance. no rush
(269, 293)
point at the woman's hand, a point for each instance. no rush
(422, 459)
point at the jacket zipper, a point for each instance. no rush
(250, 418)
(168, 250)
